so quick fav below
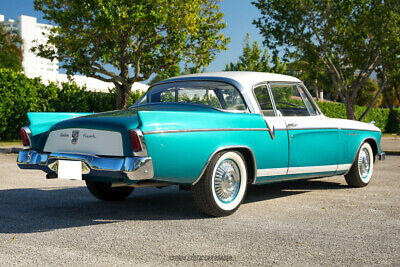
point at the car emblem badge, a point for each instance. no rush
(75, 136)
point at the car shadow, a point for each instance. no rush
(32, 210)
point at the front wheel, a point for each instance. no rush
(361, 172)
(104, 191)
(222, 188)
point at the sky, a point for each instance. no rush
(239, 15)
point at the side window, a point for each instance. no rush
(262, 95)
(288, 100)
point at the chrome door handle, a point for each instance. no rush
(291, 125)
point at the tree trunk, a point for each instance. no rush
(394, 113)
(350, 109)
(382, 86)
(123, 93)
(316, 90)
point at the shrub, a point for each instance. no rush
(382, 117)
(20, 94)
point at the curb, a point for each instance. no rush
(392, 153)
(10, 150)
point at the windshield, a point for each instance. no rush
(215, 94)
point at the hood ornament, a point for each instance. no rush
(74, 137)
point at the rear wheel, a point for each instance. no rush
(222, 188)
(361, 172)
(104, 191)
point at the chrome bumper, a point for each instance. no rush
(381, 156)
(132, 168)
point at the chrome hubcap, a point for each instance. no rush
(227, 180)
(364, 163)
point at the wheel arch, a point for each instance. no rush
(248, 155)
(374, 145)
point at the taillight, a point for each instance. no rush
(136, 145)
(24, 137)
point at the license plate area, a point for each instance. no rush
(69, 169)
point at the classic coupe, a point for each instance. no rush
(214, 133)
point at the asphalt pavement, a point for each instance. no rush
(308, 222)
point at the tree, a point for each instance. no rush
(351, 38)
(312, 72)
(391, 93)
(124, 42)
(172, 72)
(254, 58)
(10, 50)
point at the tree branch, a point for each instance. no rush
(381, 87)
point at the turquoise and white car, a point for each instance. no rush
(215, 133)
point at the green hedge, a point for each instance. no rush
(383, 118)
(20, 94)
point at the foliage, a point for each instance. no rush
(20, 95)
(254, 58)
(137, 38)
(351, 38)
(172, 72)
(367, 93)
(10, 50)
(312, 72)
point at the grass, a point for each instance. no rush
(10, 143)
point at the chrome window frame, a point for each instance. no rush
(270, 98)
(311, 99)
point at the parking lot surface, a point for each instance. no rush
(313, 222)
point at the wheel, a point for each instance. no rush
(105, 192)
(361, 172)
(222, 188)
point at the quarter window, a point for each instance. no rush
(264, 100)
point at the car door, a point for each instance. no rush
(313, 142)
(274, 164)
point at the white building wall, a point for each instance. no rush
(31, 33)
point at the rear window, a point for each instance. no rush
(218, 95)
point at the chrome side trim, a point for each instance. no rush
(142, 153)
(271, 172)
(132, 168)
(29, 134)
(228, 148)
(311, 169)
(205, 130)
(352, 129)
(301, 170)
(245, 129)
(358, 149)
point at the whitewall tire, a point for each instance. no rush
(222, 188)
(361, 172)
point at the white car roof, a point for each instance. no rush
(245, 78)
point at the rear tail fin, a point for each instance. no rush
(40, 122)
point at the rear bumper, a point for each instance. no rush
(132, 168)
